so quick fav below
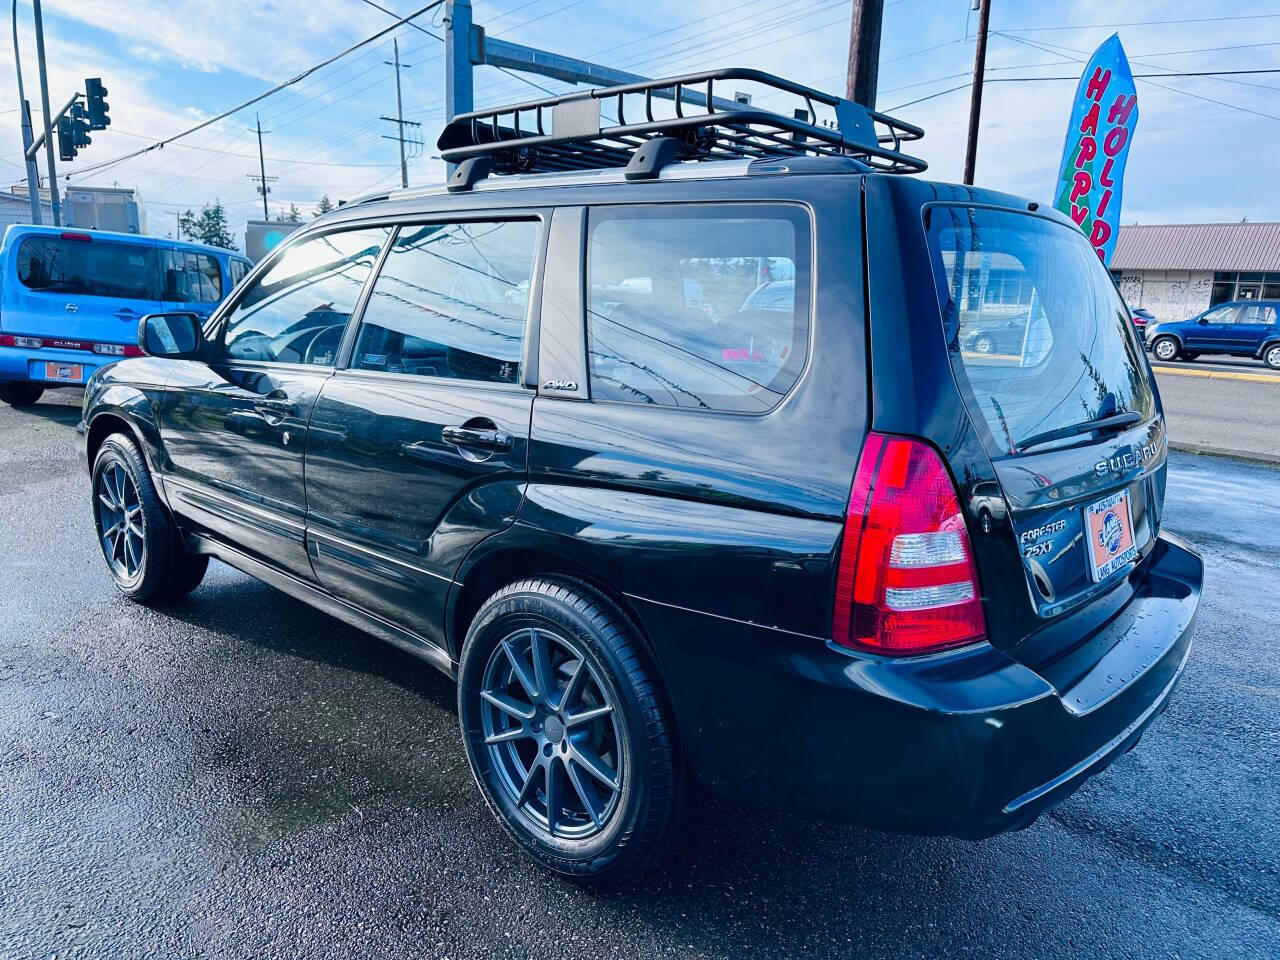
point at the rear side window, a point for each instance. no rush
(92, 268)
(703, 306)
(450, 301)
(191, 277)
(238, 270)
(1039, 337)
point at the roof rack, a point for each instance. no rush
(567, 132)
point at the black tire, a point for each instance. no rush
(1165, 349)
(143, 550)
(1271, 356)
(605, 830)
(20, 394)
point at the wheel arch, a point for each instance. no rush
(1170, 334)
(1267, 344)
(124, 410)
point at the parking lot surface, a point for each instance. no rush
(240, 776)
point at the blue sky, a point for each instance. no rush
(170, 63)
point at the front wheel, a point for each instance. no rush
(1271, 357)
(568, 735)
(20, 394)
(1165, 348)
(143, 550)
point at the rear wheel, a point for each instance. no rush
(1271, 357)
(1165, 348)
(144, 553)
(20, 394)
(568, 735)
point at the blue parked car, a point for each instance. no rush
(1244, 328)
(70, 301)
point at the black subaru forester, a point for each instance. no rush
(659, 428)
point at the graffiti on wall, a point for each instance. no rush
(1169, 297)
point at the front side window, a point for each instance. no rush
(697, 306)
(89, 267)
(297, 310)
(191, 277)
(1221, 315)
(1054, 348)
(450, 301)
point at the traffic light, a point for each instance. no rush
(79, 126)
(66, 140)
(96, 95)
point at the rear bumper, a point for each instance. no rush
(28, 366)
(968, 743)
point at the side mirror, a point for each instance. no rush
(1203, 321)
(174, 335)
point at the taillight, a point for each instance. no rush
(906, 582)
(117, 349)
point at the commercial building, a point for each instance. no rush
(86, 208)
(1179, 270)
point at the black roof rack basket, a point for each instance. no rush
(567, 132)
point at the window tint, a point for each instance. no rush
(191, 277)
(295, 312)
(450, 301)
(95, 268)
(699, 306)
(1060, 352)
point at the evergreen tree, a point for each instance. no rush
(210, 226)
(293, 216)
(324, 206)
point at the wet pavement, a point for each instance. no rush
(241, 776)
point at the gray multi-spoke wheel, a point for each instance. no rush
(567, 731)
(121, 522)
(551, 731)
(144, 552)
(1272, 357)
(982, 343)
(1165, 348)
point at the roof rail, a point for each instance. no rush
(567, 133)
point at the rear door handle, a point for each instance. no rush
(490, 440)
(127, 314)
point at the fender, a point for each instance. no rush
(129, 395)
(1267, 344)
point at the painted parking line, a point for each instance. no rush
(1217, 374)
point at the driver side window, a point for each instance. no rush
(297, 310)
(1221, 315)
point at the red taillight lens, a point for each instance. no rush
(906, 581)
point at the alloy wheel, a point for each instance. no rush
(121, 523)
(1166, 349)
(553, 735)
(1273, 358)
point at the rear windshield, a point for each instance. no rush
(1039, 338)
(93, 268)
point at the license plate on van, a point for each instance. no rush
(1109, 527)
(64, 372)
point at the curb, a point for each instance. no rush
(1217, 374)
(1245, 456)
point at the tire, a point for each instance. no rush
(982, 343)
(1271, 356)
(146, 559)
(1165, 349)
(617, 778)
(20, 394)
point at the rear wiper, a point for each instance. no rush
(1115, 421)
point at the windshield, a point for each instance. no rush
(1039, 338)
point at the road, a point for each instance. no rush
(1224, 404)
(242, 777)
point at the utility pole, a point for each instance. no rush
(48, 117)
(24, 108)
(975, 94)
(864, 52)
(261, 176)
(399, 119)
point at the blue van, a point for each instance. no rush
(70, 300)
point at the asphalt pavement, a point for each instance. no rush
(241, 776)
(1222, 405)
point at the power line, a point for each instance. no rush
(1139, 23)
(262, 96)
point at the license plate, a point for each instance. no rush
(64, 372)
(1109, 527)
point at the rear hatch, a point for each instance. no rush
(1057, 444)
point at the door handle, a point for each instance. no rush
(488, 439)
(127, 314)
(274, 411)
